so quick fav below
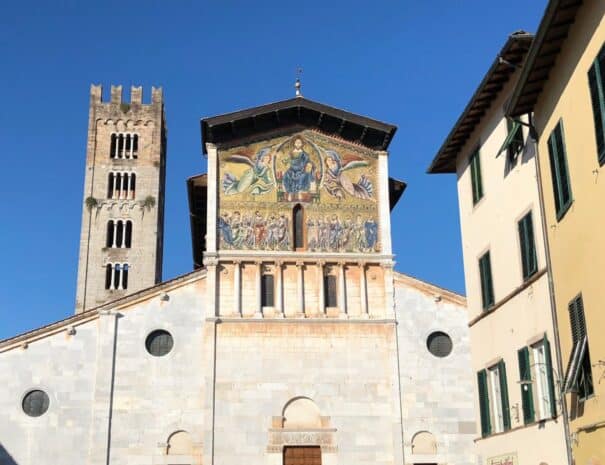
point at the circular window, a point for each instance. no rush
(159, 342)
(439, 344)
(35, 403)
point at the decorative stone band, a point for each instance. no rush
(280, 438)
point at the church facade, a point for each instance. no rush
(293, 341)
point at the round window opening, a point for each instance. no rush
(159, 343)
(439, 344)
(35, 403)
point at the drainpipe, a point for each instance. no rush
(551, 291)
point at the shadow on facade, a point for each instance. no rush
(5, 457)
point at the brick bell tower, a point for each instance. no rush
(123, 207)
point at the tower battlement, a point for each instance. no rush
(136, 95)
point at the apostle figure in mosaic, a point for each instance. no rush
(300, 172)
(257, 179)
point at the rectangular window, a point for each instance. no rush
(537, 382)
(559, 171)
(267, 288)
(476, 183)
(596, 82)
(498, 394)
(330, 291)
(578, 376)
(528, 247)
(487, 287)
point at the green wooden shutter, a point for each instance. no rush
(476, 182)
(559, 170)
(528, 248)
(596, 82)
(551, 381)
(504, 395)
(486, 427)
(527, 398)
(487, 286)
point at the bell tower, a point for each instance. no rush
(123, 207)
(298, 213)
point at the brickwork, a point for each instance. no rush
(145, 210)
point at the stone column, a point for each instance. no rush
(389, 288)
(342, 290)
(237, 288)
(211, 264)
(259, 303)
(211, 239)
(320, 289)
(300, 288)
(279, 287)
(363, 291)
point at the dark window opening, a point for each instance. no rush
(135, 145)
(159, 343)
(133, 180)
(120, 234)
(108, 270)
(596, 83)
(476, 182)
(121, 146)
(110, 186)
(110, 227)
(35, 403)
(298, 227)
(267, 290)
(128, 234)
(330, 291)
(125, 276)
(116, 276)
(112, 150)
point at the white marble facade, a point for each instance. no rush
(235, 391)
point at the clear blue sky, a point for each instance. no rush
(413, 64)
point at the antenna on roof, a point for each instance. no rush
(297, 84)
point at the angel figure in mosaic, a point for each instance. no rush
(337, 182)
(257, 179)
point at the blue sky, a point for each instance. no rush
(413, 64)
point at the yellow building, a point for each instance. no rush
(563, 85)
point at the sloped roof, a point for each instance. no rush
(552, 32)
(295, 113)
(510, 56)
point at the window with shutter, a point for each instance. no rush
(596, 82)
(504, 395)
(267, 288)
(527, 399)
(485, 275)
(528, 248)
(484, 403)
(476, 181)
(559, 171)
(578, 376)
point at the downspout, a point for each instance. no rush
(551, 292)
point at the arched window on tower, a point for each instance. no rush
(120, 234)
(135, 145)
(110, 186)
(108, 273)
(125, 268)
(120, 151)
(128, 234)
(298, 225)
(113, 148)
(110, 228)
(133, 180)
